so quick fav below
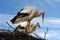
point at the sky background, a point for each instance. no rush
(9, 8)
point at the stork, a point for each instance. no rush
(27, 14)
(31, 28)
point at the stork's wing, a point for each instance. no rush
(20, 15)
(24, 19)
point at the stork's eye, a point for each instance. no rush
(19, 16)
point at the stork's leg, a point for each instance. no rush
(28, 23)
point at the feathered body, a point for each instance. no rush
(31, 28)
(27, 14)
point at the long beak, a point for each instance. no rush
(42, 18)
(43, 13)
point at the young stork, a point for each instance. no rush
(31, 28)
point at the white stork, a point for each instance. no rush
(27, 14)
(31, 28)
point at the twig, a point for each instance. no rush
(36, 35)
(45, 33)
(10, 25)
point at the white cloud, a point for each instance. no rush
(52, 23)
(3, 19)
(52, 34)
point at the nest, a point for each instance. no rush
(8, 35)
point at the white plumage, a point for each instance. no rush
(27, 14)
(31, 28)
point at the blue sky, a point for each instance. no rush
(9, 8)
